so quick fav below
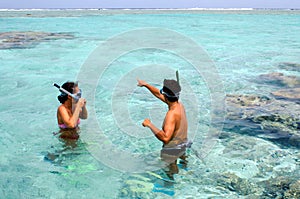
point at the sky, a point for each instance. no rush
(17, 4)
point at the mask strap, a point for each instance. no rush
(62, 90)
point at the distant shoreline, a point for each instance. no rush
(162, 9)
(70, 12)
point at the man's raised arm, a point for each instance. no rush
(152, 89)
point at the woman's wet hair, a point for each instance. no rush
(69, 86)
(172, 89)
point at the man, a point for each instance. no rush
(174, 129)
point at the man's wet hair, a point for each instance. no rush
(172, 89)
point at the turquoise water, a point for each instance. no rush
(242, 46)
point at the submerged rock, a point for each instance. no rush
(294, 190)
(291, 94)
(289, 66)
(236, 184)
(12, 40)
(240, 101)
(280, 79)
(260, 116)
(281, 187)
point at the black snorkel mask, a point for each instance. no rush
(64, 92)
(168, 94)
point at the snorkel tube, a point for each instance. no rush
(177, 76)
(61, 89)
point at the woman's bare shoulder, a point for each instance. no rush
(61, 108)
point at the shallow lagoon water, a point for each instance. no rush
(242, 46)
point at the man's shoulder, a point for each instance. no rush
(174, 114)
(171, 113)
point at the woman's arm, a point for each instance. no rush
(83, 114)
(71, 122)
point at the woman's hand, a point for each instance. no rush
(81, 102)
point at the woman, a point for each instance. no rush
(70, 111)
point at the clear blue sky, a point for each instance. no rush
(149, 3)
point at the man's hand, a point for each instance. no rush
(146, 123)
(141, 83)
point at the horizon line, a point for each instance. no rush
(191, 8)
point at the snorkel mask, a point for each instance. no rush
(64, 92)
(78, 94)
(168, 94)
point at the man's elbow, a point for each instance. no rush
(166, 140)
(161, 135)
